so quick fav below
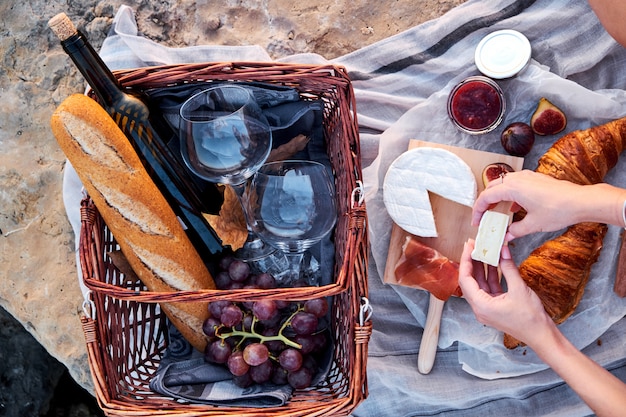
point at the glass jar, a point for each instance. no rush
(476, 105)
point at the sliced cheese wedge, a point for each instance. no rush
(416, 172)
(490, 237)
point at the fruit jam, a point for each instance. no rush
(476, 105)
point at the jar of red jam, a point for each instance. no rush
(476, 105)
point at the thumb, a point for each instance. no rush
(520, 228)
(510, 271)
(466, 280)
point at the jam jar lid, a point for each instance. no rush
(502, 54)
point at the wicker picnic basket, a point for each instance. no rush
(126, 331)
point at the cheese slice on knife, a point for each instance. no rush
(490, 237)
(416, 172)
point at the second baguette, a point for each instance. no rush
(144, 225)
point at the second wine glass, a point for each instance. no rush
(225, 138)
(291, 205)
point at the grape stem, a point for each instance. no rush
(262, 338)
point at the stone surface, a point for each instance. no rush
(27, 375)
(38, 284)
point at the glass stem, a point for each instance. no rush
(254, 249)
(295, 262)
(240, 190)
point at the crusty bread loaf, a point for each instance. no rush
(145, 226)
(585, 156)
(559, 270)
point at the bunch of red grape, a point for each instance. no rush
(266, 340)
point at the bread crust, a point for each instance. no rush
(559, 270)
(585, 156)
(144, 225)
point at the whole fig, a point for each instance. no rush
(517, 139)
(547, 119)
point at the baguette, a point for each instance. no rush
(145, 226)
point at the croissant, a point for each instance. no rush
(559, 269)
(585, 156)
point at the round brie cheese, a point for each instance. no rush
(416, 172)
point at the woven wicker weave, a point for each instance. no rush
(126, 332)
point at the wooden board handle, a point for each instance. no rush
(430, 337)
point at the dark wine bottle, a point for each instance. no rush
(151, 137)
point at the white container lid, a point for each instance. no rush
(502, 54)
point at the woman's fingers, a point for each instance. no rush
(513, 278)
(493, 281)
(466, 271)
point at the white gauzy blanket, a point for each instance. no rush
(401, 85)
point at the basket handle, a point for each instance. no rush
(358, 194)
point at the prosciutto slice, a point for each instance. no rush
(423, 267)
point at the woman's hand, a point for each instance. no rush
(518, 312)
(550, 204)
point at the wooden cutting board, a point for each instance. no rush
(452, 219)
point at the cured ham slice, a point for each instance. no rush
(423, 267)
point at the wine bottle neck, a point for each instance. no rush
(91, 66)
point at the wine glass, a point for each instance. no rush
(225, 138)
(291, 206)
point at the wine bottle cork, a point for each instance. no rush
(62, 26)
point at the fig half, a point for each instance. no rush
(494, 171)
(547, 119)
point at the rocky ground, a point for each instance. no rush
(42, 355)
(32, 382)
